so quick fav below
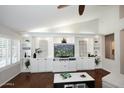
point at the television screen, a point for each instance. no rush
(64, 50)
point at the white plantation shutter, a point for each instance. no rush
(83, 48)
(9, 51)
(5, 52)
(15, 51)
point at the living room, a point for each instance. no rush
(49, 42)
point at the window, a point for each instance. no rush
(83, 48)
(9, 51)
(109, 46)
(5, 52)
(15, 51)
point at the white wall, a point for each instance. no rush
(121, 23)
(109, 23)
(7, 32)
(51, 41)
(122, 51)
(35, 44)
(68, 32)
(90, 45)
(8, 72)
(81, 27)
(121, 11)
(121, 38)
(74, 39)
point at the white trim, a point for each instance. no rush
(9, 66)
(9, 79)
(108, 85)
(11, 50)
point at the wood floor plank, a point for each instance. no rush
(45, 80)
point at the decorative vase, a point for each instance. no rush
(64, 40)
(25, 55)
(34, 56)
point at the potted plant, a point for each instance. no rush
(27, 63)
(97, 61)
(38, 50)
(64, 40)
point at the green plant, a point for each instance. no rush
(38, 50)
(27, 63)
(97, 61)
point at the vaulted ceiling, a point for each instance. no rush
(28, 17)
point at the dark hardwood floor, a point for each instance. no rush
(45, 80)
(97, 74)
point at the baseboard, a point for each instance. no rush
(9, 79)
(108, 85)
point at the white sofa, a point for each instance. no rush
(113, 81)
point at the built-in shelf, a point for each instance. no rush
(26, 47)
(97, 46)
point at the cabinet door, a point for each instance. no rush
(49, 65)
(83, 48)
(64, 66)
(72, 66)
(80, 64)
(60, 66)
(41, 65)
(91, 63)
(43, 45)
(56, 66)
(86, 64)
(34, 65)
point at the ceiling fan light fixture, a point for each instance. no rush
(81, 9)
(62, 6)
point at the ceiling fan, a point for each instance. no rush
(80, 8)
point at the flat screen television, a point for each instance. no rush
(63, 50)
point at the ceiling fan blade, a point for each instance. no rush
(81, 9)
(62, 6)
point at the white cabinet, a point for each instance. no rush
(91, 63)
(47, 65)
(72, 66)
(40, 65)
(86, 64)
(61, 66)
(56, 66)
(34, 65)
(64, 65)
(80, 64)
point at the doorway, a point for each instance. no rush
(122, 51)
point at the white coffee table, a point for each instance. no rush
(74, 79)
